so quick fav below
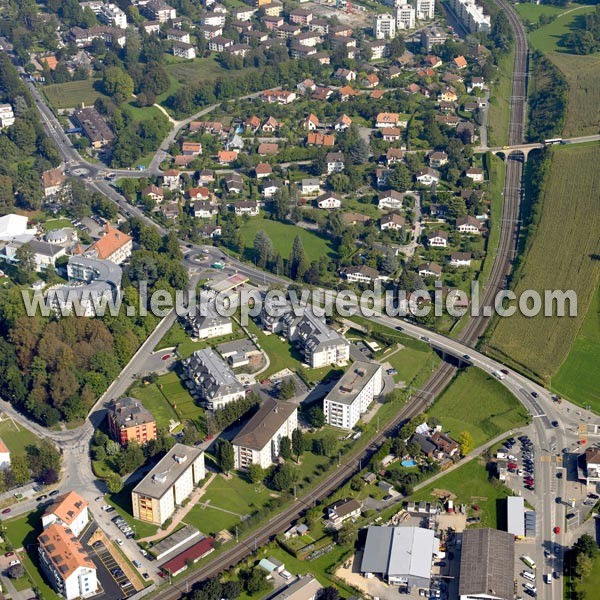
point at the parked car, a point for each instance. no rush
(54, 493)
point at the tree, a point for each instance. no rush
(26, 258)
(316, 417)
(284, 477)
(359, 152)
(16, 571)
(583, 566)
(328, 593)
(389, 263)
(225, 455)
(297, 443)
(299, 262)
(287, 389)
(263, 248)
(400, 178)
(117, 84)
(20, 470)
(346, 534)
(256, 473)
(285, 448)
(255, 581)
(586, 545)
(114, 484)
(465, 439)
(130, 459)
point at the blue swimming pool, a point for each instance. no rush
(409, 463)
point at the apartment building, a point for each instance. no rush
(66, 564)
(211, 380)
(406, 16)
(7, 117)
(69, 510)
(471, 15)
(384, 26)
(114, 245)
(320, 345)
(207, 323)
(424, 9)
(259, 440)
(110, 14)
(353, 394)
(130, 421)
(168, 484)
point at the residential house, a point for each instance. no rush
(234, 183)
(346, 75)
(160, 11)
(430, 269)
(191, 148)
(360, 274)
(448, 94)
(206, 176)
(204, 210)
(94, 126)
(460, 62)
(273, 22)
(343, 510)
(182, 50)
(206, 322)
(444, 443)
(385, 120)
(392, 221)
(391, 134)
(370, 81)
(477, 83)
(171, 179)
(270, 187)
(263, 170)
(438, 159)
(219, 43)
(311, 123)
(258, 442)
(270, 125)
(198, 193)
(425, 445)
(247, 207)
(475, 173)
(329, 200)
(224, 157)
(390, 200)
(178, 35)
(4, 456)
(437, 239)
(432, 61)
(54, 183)
(68, 510)
(381, 177)
(301, 16)
(394, 156)
(346, 92)
(306, 86)
(461, 259)
(342, 123)
(428, 176)
(468, 224)
(278, 96)
(335, 162)
(325, 140)
(267, 149)
(152, 191)
(310, 186)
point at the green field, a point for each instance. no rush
(72, 94)
(499, 113)
(52, 224)
(587, 587)
(282, 235)
(471, 486)
(562, 256)
(532, 12)
(578, 378)
(475, 402)
(16, 437)
(583, 77)
(409, 362)
(549, 37)
(153, 399)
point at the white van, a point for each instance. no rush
(548, 577)
(528, 575)
(530, 587)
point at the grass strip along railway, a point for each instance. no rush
(445, 372)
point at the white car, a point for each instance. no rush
(106, 507)
(119, 541)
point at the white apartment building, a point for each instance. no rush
(69, 510)
(424, 9)
(353, 394)
(183, 50)
(384, 26)
(471, 15)
(405, 16)
(258, 442)
(207, 323)
(66, 564)
(7, 117)
(112, 15)
(168, 484)
(211, 380)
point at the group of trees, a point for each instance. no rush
(41, 462)
(581, 559)
(585, 40)
(215, 589)
(232, 411)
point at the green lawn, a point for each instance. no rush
(409, 362)
(476, 402)
(22, 533)
(52, 224)
(587, 587)
(499, 113)
(156, 403)
(578, 378)
(235, 495)
(282, 235)
(16, 437)
(532, 12)
(72, 94)
(549, 37)
(471, 485)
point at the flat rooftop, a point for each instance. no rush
(167, 471)
(352, 382)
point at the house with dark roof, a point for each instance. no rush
(258, 443)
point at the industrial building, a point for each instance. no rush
(515, 513)
(400, 555)
(487, 565)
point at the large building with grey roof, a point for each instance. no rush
(353, 394)
(258, 443)
(168, 484)
(320, 344)
(206, 322)
(400, 555)
(210, 379)
(487, 565)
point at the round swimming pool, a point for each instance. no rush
(409, 463)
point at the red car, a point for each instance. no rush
(9, 554)
(166, 356)
(6, 511)
(512, 465)
(556, 530)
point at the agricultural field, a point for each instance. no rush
(282, 235)
(583, 77)
(578, 378)
(470, 485)
(562, 256)
(475, 402)
(73, 94)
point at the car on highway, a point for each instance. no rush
(535, 394)
(6, 511)
(504, 371)
(466, 357)
(424, 338)
(398, 328)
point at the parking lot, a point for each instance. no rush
(125, 587)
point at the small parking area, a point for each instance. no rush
(124, 588)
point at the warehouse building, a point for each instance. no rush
(515, 513)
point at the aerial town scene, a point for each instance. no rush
(299, 299)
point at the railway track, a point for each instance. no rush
(443, 374)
